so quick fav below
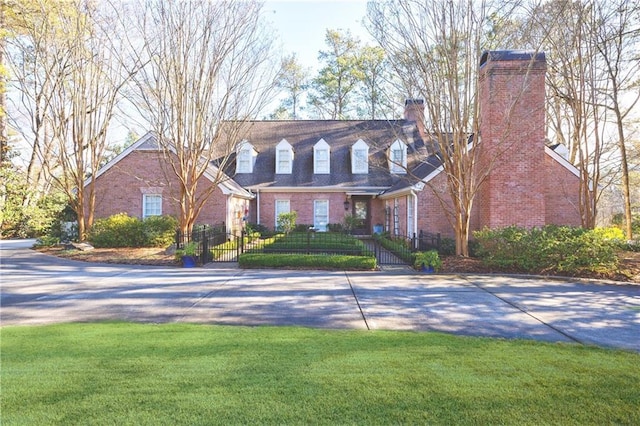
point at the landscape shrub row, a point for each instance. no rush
(314, 242)
(550, 249)
(316, 261)
(122, 230)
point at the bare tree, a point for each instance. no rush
(434, 48)
(68, 73)
(36, 72)
(4, 144)
(208, 71)
(591, 67)
(617, 40)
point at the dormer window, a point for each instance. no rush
(360, 157)
(284, 157)
(398, 157)
(245, 157)
(321, 158)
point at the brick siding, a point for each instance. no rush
(120, 189)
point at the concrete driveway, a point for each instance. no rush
(41, 289)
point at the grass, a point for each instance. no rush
(120, 373)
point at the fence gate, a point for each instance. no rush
(386, 257)
(213, 244)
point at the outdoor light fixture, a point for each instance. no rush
(346, 204)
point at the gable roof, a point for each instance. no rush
(148, 142)
(340, 135)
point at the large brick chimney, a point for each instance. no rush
(414, 111)
(512, 138)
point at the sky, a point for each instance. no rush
(302, 24)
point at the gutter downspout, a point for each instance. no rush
(258, 206)
(414, 197)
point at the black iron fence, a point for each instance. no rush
(399, 249)
(204, 237)
(214, 244)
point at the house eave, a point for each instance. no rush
(359, 190)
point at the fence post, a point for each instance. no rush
(438, 241)
(177, 238)
(204, 246)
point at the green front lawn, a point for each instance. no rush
(120, 373)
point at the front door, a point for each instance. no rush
(361, 210)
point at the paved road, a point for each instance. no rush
(41, 289)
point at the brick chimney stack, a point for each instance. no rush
(512, 138)
(414, 111)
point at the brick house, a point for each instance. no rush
(383, 172)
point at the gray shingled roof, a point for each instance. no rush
(340, 136)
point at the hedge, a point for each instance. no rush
(315, 261)
(550, 249)
(122, 230)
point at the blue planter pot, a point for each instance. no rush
(427, 269)
(188, 261)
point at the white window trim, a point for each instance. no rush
(395, 167)
(360, 145)
(316, 224)
(321, 146)
(284, 146)
(278, 212)
(144, 205)
(396, 216)
(245, 148)
(411, 215)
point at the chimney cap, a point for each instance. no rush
(511, 55)
(411, 101)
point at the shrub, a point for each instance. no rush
(47, 241)
(264, 231)
(119, 230)
(335, 227)
(122, 230)
(287, 221)
(447, 246)
(316, 261)
(159, 231)
(551, 248)
(427, 258)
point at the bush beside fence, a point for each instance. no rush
(550, 248)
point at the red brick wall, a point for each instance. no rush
(431, 216)
(120, 189)
(303, 204)
(562, 194)
(512, 120)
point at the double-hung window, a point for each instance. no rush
(321, 158)
(151, 205)
(284, 157)
(360, 158)
(398, 157)
(320, 214)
